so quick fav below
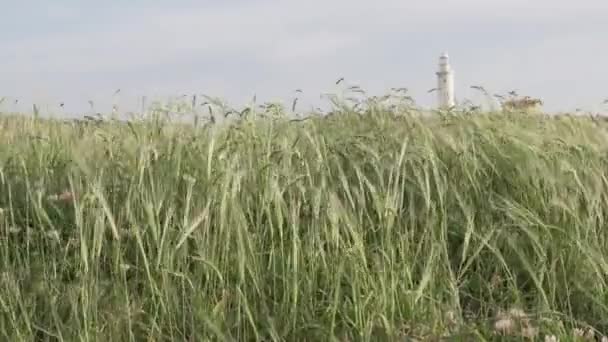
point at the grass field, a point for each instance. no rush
(375, 227)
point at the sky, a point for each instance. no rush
(76, 51)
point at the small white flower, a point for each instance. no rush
(529, 332)
(504, 325)
(54, 235)
(189, 179)
(517, 313)
(551, 338)
(578, 332)
(14, 230)
(450, 317)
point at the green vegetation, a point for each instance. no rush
(355, 227)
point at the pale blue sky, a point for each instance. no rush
(73, 51)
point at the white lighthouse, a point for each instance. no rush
(445, 83)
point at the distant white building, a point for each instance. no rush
(445, 83)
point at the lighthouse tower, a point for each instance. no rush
(445, 83)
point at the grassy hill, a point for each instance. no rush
(373, 227)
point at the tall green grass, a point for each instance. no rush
(372, 227)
